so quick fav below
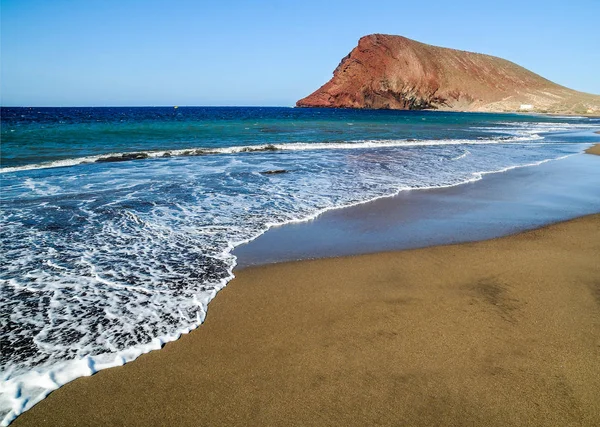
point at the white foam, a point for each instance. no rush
(534, 128)
(462, 156)
(294, 146)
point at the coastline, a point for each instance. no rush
(497, 205)
(458, 189)
(499, 332)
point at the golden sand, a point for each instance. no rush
(504, 332)
(595, 149)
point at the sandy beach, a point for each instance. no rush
(212, 217)
(500, 332)
(594, 149)
(496, 332)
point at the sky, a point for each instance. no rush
(259, 52)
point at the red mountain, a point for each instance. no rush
(393, 72)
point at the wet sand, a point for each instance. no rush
(497, 333)
(500, 204)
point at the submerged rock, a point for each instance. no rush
(275, 172)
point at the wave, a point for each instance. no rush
(535, 128)
(294, 146)
(462, 156)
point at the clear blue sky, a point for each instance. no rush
(234, 52)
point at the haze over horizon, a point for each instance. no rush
(109, 53)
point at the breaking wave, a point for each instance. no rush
(297, 146)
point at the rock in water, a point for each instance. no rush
(275, 172)
(393, 72)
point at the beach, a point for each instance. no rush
(498, 205)
(501, 332)
(594, 149)
(497, 332)
(270, 226)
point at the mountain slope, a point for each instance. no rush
(393, 72)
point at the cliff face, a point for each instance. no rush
(393, 72)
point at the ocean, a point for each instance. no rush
(117, 225)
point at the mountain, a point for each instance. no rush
(393, 72)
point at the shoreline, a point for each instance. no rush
(374, 205)
(498, 204)
(498, 332)
(524, 112)
(342, 209)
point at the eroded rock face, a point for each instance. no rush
(393, 72)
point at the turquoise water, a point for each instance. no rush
(118, 223)
(40, 136)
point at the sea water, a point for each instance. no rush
(117, 224)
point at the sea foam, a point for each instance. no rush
(291, 146)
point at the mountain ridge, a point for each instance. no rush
(394, 72)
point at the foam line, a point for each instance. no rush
(294, 146)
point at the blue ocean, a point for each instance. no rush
(118, 224)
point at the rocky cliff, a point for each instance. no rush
(393, 72)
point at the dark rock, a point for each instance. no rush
(123, 157)
(275, 172)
